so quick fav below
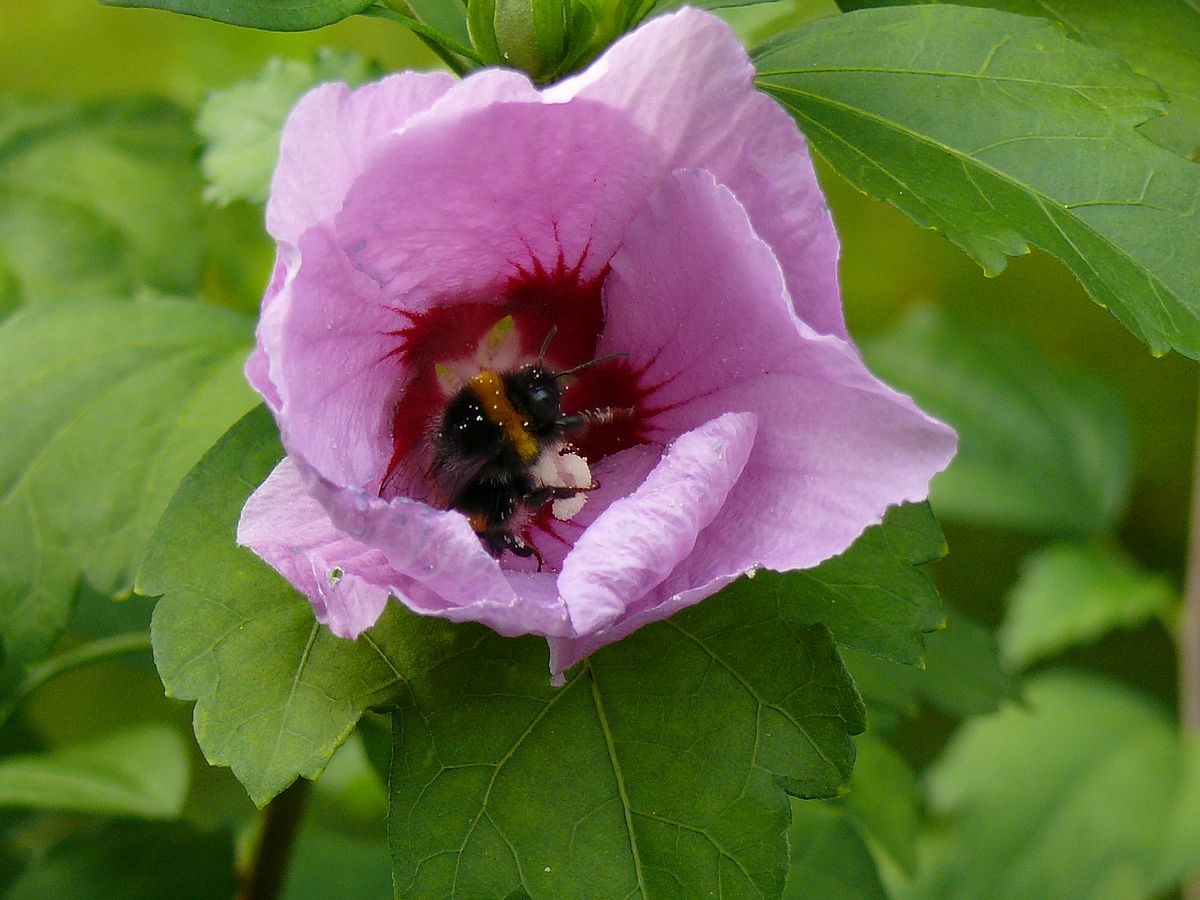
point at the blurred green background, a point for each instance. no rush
(78, 49)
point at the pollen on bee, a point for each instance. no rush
(556, 468)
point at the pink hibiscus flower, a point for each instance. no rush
(654, 206)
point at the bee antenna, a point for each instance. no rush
(588, 364)
(546, 343)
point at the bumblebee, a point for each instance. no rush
(491, 444)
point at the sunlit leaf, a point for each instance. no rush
(1179, 858)
(874, 597)
(680, 738)
(96, 199)
(277, 694)
(139, 771)
(1070, 594)
(446, 16)
(1001, 132)
(1041, 447)
(106, 406)
(269, 15)
(659, 769)
(1158, 38)
(241, 125)
(1065, 796)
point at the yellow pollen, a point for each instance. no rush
(489, 388)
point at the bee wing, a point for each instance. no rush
(450, 476)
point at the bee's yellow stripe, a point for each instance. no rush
(489, 388)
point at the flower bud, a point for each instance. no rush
(545, 38)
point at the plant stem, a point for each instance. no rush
(85, 655)
(1189, 634)
(281, 823)
(441, 44)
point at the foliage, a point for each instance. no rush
(107, 405)
(115, 182)
(1070, 594)
(675, 761)
(1040, 447)
(277, 693)
(1063, 766)
(1051, 158)
(241, 125)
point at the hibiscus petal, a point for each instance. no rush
(835, 447)
(685, 80)
(616, 476)
(347, 582)
(327, 139)
(640, 539)
(501, 190)
(326, 338)
(442, 558)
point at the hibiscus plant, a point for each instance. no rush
(458, 415)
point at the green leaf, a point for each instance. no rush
(123, 860)
(1001, 132)
(139, 771)
(449, 17)
(328, 862)
(341, 850)
(1041, 448)
(665, 5)
(963, 675)
(1179, 858)
(106, 406)
(1157, 38)
(1065, 797)
(874, 597)
(659, 769)
(269, 15)
(277, 694)
(883, 800)
(241, 125)
(96, 199)
(829, 857)
(1071, 594)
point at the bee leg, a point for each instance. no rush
(572, 423)
(604, 416)
(519, 548)
(539, 497)
(516, 546)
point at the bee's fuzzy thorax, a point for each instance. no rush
(490, 388)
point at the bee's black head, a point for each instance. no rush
(535, 391)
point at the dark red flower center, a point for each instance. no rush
(556, 302)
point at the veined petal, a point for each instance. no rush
(504, 189)
(327, 139)
(326, 336)
(640, 539)
(685, 80)
(439, 553)
(835, 446)
(347, 582)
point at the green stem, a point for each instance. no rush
(444, 46)
(281, 823)
(1188, 636)
(85, 655)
